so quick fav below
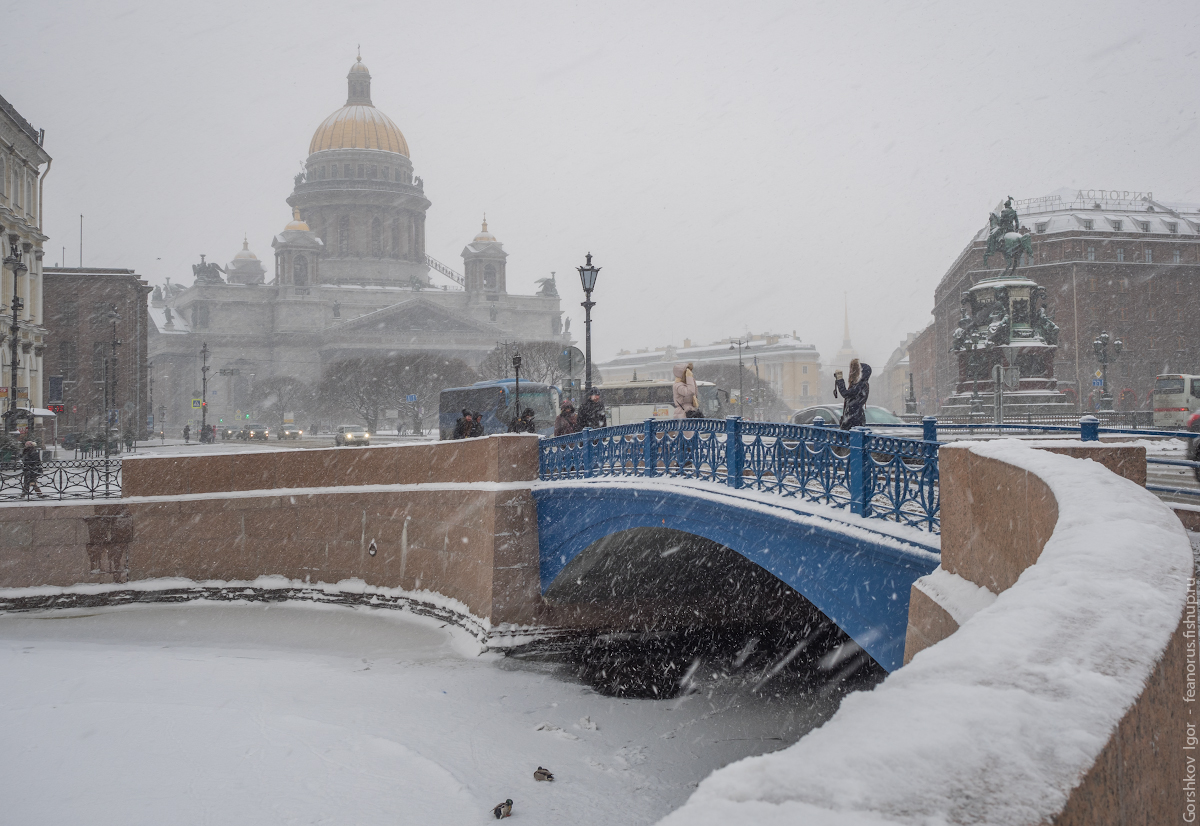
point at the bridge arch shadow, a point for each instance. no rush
(652, 542)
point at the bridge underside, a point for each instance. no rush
(627, 554)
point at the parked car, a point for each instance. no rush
(351, 434)
(290, 431)
(876, 416)
(255, 430)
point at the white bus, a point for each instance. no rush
(635, 401)
(1176, 397)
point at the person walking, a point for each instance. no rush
(476, 425)
(462, 427)
(854, 394)
(566, 423)
(591, 412)
(187, 434)
(687, 404)
(31, 468)
(524, 423)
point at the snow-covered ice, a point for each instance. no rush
(301, 713)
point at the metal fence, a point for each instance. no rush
(882, 477)
(66, 479)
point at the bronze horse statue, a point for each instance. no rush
(1003, 237)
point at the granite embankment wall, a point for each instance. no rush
(996, 520)
(456, 518)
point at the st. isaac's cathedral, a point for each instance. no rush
(351, 278)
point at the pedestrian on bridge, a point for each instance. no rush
(854, 394)
(687, 405)
(591, 412)
(567, 422)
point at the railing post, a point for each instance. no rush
(1089, 429)
(650, 449)
(929, 429)
(860, 480)
(735, 453)
(587, 452)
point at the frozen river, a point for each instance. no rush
(210, 713)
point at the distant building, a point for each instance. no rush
(350, 279)
(1122, 262)
(792, 368)
(21, 239)
(890, 385)
(80, 332)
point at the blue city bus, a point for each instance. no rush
(496, 400)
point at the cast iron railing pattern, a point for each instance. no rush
(65, 479)
(882, 477)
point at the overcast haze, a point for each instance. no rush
(732, 167)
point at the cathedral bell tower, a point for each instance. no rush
(297, 258)
(483, 265)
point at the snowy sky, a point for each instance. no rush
(732, 167)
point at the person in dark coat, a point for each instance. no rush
(592, 413)
(855, 394)
(462, 427)
(31, 468)
(566, 423)
(476, 425)
(524, 423)
(187, 433)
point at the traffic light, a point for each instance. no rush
(247, 415)
(220, 421)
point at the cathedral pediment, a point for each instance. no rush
(417, 317)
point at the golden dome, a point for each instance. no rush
(484, 236)
(358, 124)
(296, 223)
(358, 127)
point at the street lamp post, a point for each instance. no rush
(587, 276)
(739, 343)
(204, 393)
(14, 261)
(162, 425)
(1100, 346)
(516, 363)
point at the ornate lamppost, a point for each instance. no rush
(204, 393)
(1100, 346)
(587, 276)
(14, 261)
(516, 363)
(739, 343)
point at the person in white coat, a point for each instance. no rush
(686, 395)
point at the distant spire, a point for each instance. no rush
(360, 53)
(245, 241)
(485, 222)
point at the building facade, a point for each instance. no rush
(791, 367)
(21, 177)
(350, 279)
(89, 309)
(1118, 262)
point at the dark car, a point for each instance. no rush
(876, 416)
(255, 430)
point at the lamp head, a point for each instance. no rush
(587, 274)
(517, 361)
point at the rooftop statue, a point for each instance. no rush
(1005, 237)
(207, 273)
(548, 287)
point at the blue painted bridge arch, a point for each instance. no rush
(859, 575)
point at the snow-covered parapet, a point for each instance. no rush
(1011, 719)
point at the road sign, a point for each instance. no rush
(196, 404)
(289, 418)
(570, 361)
(1097, 382)
(1099, 374)
(411, 398)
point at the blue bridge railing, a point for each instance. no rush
(877, 476)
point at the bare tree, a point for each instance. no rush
(365, 387)
(273, 398)
(539, 361)
(759, 392)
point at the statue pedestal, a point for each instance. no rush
(1036, 393)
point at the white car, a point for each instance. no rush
(351, 434)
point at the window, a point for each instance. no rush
(66, 360)
(300, 271)
(344, 234)
(1145, 225)
(804, 369)
(362, 173)
(376, 238)
(345, 170)
(489, 277)
(1149, 255)
(1178, 258)
(321, 174)
(1117, 225)
(803, 389)
(1091, 252)
(1088, 223)
(1172, 227)
(333, 171)
(1124, 285)
(1040, 227)
(1120, 253)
